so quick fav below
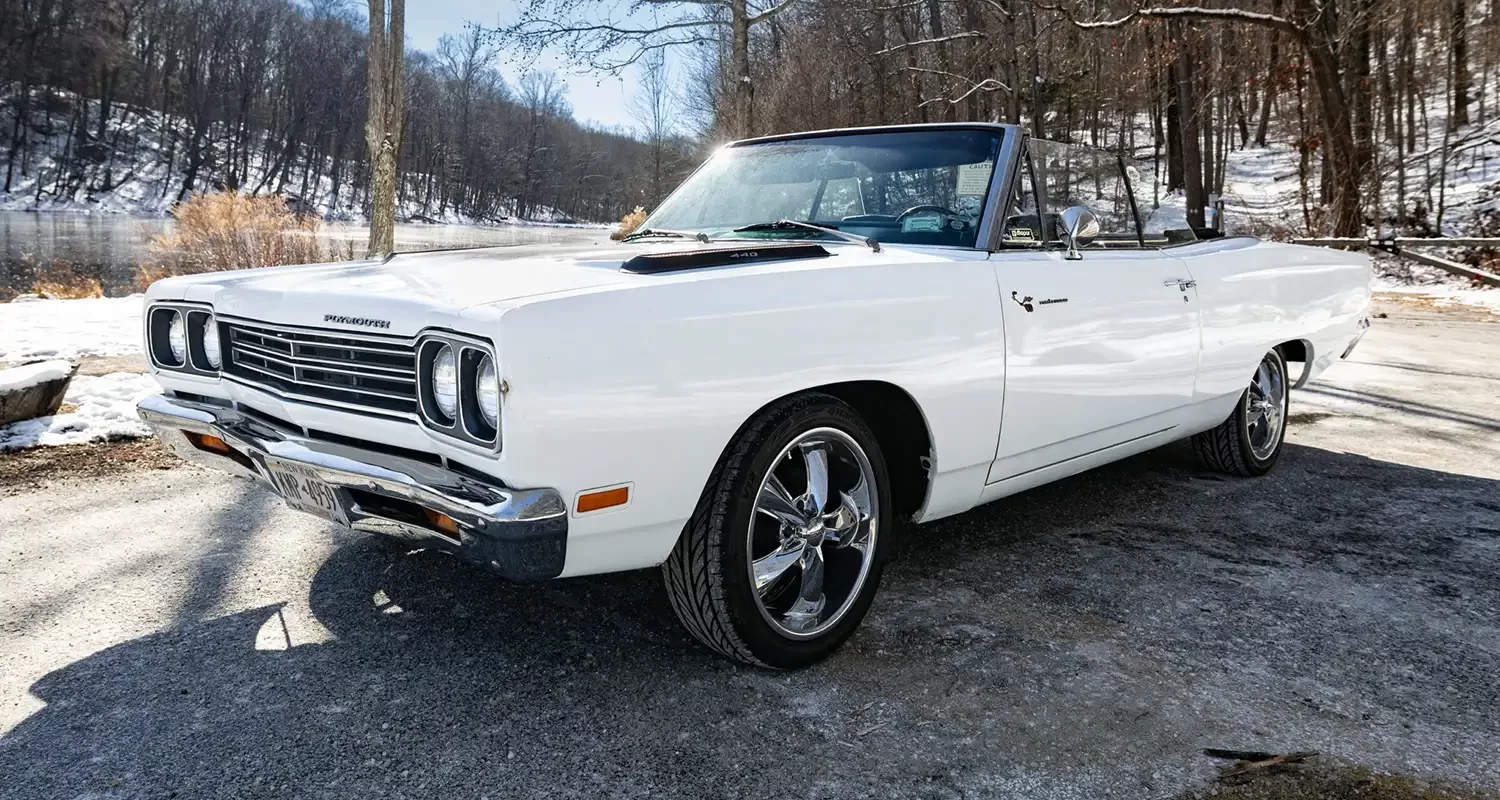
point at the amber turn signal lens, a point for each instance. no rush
(203, 441)
(442, 522)
(607, 498)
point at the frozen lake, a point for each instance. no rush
(108, 246)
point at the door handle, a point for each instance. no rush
(1180, 283)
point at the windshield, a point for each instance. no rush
(905, 187)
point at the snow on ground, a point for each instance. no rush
(105, 410)
(1402, 277)
(70, 328)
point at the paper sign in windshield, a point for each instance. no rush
(932, 223)
(973, 179)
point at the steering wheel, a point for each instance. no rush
(947, 212)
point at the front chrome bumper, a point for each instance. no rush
(520, 534)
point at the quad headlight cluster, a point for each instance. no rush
(184, 338)
(458, 388)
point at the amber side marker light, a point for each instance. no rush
(203, 441)
(442, 522)
(606, 498)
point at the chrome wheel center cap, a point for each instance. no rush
(813, 534)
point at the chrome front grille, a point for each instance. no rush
(378, 373)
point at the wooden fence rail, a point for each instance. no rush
(1402, 247)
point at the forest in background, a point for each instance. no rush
(1383, 102)
(153, 100)
(1384, 111)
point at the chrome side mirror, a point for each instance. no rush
(1081, 226)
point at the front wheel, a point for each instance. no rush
(783, 555)
(1249, 442)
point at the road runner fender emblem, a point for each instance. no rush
(1023, 302)
(366, 322)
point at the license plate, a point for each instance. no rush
(303, 490)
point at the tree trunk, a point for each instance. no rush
(945, 62)
(1188, 128)
(1207, 152)
(1174, 131)
(1273, 76)
(1338, 134)
(1038, 105)
(387, 90)
(1360, 98)
(1458, 32)
(744, 86)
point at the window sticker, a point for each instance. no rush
(974, 179)
(1020, 235)
(925, 224)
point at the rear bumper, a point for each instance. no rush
(520, 534)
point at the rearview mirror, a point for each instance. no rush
(836, 170)
(1081, 227)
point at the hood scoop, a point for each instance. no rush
(653, 263)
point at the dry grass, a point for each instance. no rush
(27, 470)
(629, 223)
(61, 280)
(229, 230)
(1331, 782)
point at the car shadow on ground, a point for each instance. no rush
(1085, 638)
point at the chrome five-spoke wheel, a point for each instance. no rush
(783, 555)
(1248, 443)
(1265, 407)
(810, 552)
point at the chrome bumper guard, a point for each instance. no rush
(520, 534)
(1364, 326)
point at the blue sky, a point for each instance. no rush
(601, 99)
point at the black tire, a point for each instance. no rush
(708, 577)
(1228, 448)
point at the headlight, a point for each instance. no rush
(488, 391)
(182, 337)
(458, 388)
(211, 342)
(445, 382)
(177, 338)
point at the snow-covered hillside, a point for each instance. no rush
(138, 168)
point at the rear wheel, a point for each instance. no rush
(783, 555)
(1249, 442)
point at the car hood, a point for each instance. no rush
(407, 292)
(403, 293)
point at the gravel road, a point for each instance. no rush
(172, 632)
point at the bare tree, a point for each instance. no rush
(543, 97)
(1306, 25)
(607, 36)
(654, 107)
(384, 65)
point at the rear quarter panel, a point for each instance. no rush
(1254, 295)
(646, 385)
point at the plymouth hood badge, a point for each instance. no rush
(365, 322)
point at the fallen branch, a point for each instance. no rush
(1246, 767)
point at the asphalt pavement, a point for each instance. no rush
(177, 633)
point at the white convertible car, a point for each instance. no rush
(816, 339)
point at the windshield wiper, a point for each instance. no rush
(782, 224)
(641, 234)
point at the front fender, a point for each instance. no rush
(646, 385)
